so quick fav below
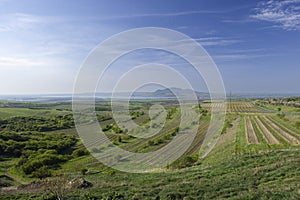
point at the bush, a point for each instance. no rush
(80, 152)
(281, 116)
(84, 171)
(150, 143)
(185, 161)
(42, 172)
(36, 161)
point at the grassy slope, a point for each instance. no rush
(220, 175)
(223, 174)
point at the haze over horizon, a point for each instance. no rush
(255, 44)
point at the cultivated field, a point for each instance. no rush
(236, 107)
(270, 131)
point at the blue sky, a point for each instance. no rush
(255, 44)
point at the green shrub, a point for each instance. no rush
(84, 171)
(42, 172)
(185, 161)
(80, 152)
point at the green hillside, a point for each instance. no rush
(256, 157)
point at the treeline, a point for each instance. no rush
(40, 124)
(288, 101)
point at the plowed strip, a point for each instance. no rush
(251, 136)
(269, 137)
(287, 129)
(282, 133)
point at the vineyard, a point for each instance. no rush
(269, 130)
(235, 107)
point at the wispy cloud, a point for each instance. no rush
(217, 41)
(175, 14)
(17, 62)
(18, 21)
(170, 14)
(285, 14)
(213, 41)
(239, 56)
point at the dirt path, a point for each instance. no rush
(251, 135)
(8, 174)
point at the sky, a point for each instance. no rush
(254, 44)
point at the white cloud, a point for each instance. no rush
(285, 14)
(17, 62)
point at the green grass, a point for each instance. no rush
(268, 175)
(286, 125)
(13, 112)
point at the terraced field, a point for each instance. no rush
(271, 132)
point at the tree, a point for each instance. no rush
(58, 186)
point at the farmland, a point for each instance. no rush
(257, 155)
(236, 107)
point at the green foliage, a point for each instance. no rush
(37, 164)
(37, 152)
(42, 172)
(119, 139)
(227, 124)
(84, 171)
(136, 114)
(41, 124)
(297, 124)
(150, 143)
(107, 127)
(171, 113)
(184, 161)
(117, 129)
(80, 152)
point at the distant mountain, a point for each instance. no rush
(171, 93)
